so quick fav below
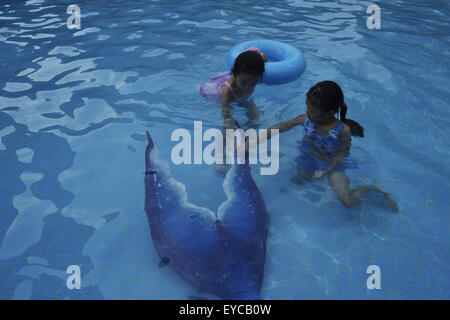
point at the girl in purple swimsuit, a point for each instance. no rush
(237, 85)
(325, 148)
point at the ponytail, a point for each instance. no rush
(343, 112)
(355, 127)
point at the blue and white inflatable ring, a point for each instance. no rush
(286, 63)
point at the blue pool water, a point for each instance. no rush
(75, 104)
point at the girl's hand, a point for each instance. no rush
(229, 123)
(319, 174)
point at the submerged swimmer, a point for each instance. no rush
(237, 85)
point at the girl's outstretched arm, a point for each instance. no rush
(280, 127)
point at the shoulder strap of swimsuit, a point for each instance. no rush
(337, 129)
(307, 122)
(309, 127)
(232, 91)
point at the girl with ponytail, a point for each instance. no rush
(325, 149)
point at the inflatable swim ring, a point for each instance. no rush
(286, 63)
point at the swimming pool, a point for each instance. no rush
(75, 104)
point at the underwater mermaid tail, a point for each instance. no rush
(223, 254)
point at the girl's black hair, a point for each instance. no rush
(249, 62)
(328, 96)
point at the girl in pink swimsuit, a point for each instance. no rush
(237, 85)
